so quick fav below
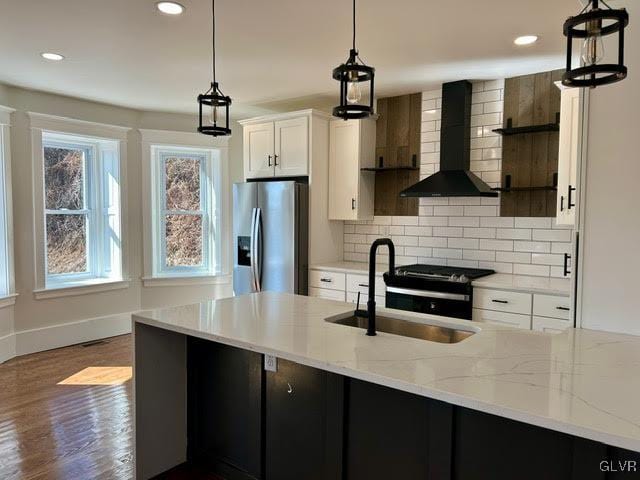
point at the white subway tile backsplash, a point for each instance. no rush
(481, 211)
(552, 235)
(537, 270)
(466, 231)
(513, 257)
(470, 243)
(484, 255)
(448, 211)
(503, 245)
(480, 232)
(447, 231)
(447, 253)
(464, 221)
(514, 233)
(537, 247)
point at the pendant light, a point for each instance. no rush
(590, 26)
(213, 105)
(356, 84)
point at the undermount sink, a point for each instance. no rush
(405, 328)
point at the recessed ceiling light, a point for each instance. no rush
(170, 8)
(526, 40)
(54, 57)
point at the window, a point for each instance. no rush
(5, 250)
(81, 209)
(186, 183)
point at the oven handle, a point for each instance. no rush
(429, 293)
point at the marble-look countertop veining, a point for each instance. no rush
(580, 382)
(524, 283)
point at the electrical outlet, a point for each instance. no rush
(270, 363)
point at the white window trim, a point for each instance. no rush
(6, 204)
(42, 122)
(167, 138)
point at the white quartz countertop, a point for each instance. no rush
(525, 283)
(580, 382)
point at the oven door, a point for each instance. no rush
(457, 305)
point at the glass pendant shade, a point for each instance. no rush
(590, 27)
(213, 110)
(356, 88)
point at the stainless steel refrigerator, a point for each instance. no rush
(270, 237)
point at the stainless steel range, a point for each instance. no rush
(433, 289)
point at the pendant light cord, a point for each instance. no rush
(354, 24)
(213, 39)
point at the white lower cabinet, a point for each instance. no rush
(345, 287)
(502, 318)
(531, 311)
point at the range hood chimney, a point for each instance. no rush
(454, 178)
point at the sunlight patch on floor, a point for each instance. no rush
(99, 376)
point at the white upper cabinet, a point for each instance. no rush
(291, 147)
(568, 155)
(259, 150)
(276, 147)
(351, 147)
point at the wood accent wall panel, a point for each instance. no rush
(397, 144)
(531, 158)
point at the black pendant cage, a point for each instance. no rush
(602, 22)
(214, 98)
(354, 71)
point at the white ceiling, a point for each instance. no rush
(272, 54)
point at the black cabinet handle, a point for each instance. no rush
(499, 301)
(326, 280)
(275, 160)
(561, 203)
(569, 203)
(269, 157)
(353, 204)
(363, 285)
(565, 268)
(566, 309)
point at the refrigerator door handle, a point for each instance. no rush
(253, 247)
(258, 270)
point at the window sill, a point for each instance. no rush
(8, 300)
(176, 281)
(80, 288)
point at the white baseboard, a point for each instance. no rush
(7, 347)
(63, 335)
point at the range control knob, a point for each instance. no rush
(463, 278)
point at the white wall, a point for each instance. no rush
(611, 234)
(42, 323)
(466, 231)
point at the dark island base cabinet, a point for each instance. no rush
(300, 423)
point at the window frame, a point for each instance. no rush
(7, 285)
(112, 160)
(220, 221)
(209, 169)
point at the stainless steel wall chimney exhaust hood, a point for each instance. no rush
(454, 178)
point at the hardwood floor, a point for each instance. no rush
(78, 429)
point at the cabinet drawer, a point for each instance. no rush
(502, 318)
(352, 297)
(360, 283)
(502, 301)
(326, 293)
(552, 306)
(331, 280)
(550, 325)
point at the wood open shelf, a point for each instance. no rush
(545, 127)
(387, 169)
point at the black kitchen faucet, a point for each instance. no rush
(371, 302)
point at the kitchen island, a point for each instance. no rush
(262, 386)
